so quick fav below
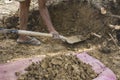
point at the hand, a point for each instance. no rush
(55, 34)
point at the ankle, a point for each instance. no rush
(23, 37)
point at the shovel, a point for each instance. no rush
(70, 40)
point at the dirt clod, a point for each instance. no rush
(60, 67)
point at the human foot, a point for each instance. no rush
(28, 40)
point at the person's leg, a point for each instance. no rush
(23, 18)
(46, 18)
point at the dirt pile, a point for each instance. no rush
(59, 68)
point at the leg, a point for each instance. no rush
(23, 15)
(24, 9)
(46, 18)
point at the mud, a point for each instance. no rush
(68, 19)
(59, 67)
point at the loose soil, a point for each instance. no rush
(69, 19)
(61, 67)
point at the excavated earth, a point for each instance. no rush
(61, 67)
(69, 19)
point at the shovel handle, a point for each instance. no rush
(29, 33)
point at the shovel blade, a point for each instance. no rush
(75, 39)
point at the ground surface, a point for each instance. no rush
(69, 19)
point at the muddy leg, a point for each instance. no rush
(23, 16)
(24, 9)
(46, 18)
